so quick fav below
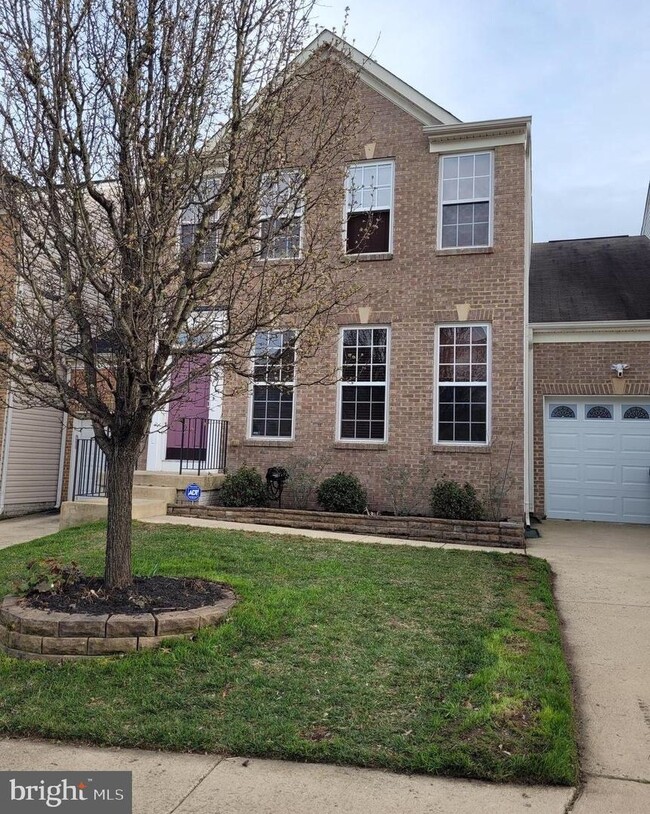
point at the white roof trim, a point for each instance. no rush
(632, 330)
(593, 325)
(384, 82)
(492, 132)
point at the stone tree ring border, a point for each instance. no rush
(32, 633)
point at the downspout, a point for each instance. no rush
(6, 441)
(527, 334)
(64, 438)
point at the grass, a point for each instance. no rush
(411, 659)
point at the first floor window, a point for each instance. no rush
(363, 389)
(462, 384)
(274, 363)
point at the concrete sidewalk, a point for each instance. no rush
(23, 529)
(602, 590)
(200, 784)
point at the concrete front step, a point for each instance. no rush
(166, 493)
(176, 481)
(89, 510)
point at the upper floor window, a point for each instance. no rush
(462, 374)
(203, 199)
(466, 200)
(369, 205)
(274, 365)
(281, 215)
(363, 390)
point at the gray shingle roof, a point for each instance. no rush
(601, 278)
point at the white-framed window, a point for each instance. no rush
(363, 389)
(462, 384)
(466, 210)
(281, 214)
(273, 392)
(369, 207)
(192, 215)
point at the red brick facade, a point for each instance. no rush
(581, 369)
(412, 292)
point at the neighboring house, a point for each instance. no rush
(441, 366)
(589, 311)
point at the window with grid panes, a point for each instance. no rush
(281, 215)
(462, 397)
(273, 385)
(369, 192)
(466, 200)
(363, 387)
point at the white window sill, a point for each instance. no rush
(268, 442)
(465, 250)
(373, 446)
(479, 449)
(368, 257)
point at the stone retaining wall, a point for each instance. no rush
(467, 532)
(32, 633)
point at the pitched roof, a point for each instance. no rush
(383, 81)
(596, 279)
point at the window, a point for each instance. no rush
(281, 215)
(369, 204)
(636, 412)
(563, 411)
(274, 363)
(363, 389)
(462, 383)
(466, 200)
(191, 216)
(599, 411)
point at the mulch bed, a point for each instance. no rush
(145, 595)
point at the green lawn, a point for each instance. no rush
(445, 662)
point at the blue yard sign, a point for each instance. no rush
(193, 492)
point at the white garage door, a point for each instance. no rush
(597, 459)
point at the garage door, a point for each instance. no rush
(597, 459)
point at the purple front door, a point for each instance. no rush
(190, 409)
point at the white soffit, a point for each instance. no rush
(545, 333)
(448, 138)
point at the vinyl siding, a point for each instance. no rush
(34, 455)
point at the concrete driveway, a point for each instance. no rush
(603, 593)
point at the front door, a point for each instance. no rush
(188, 412)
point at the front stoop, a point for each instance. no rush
(90, 510)
(152, 493)
(173, 480)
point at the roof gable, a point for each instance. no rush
(383, 81)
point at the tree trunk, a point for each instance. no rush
(121, 466)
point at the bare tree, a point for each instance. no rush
(158, 156)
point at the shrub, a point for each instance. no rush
(245, 487)
(451, 500)
(47, 575)
(342, 493)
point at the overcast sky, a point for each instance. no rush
(580, 68)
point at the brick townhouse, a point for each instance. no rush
(445, 368)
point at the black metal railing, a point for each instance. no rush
(90, 468)
(204, 442)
